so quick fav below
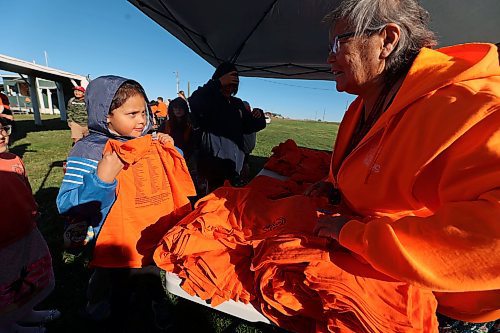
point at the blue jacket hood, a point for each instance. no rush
(98, 98)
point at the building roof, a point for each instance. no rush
(25, 67)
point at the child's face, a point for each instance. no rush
(78, 94)
(179, 112)
(130, 118)
(4, 137)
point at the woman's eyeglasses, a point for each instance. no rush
(335, 45)
(6, 130)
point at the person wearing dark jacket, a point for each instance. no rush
(223, 121)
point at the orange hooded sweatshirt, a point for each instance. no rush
(426, 181)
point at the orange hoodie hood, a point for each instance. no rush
(425, 179)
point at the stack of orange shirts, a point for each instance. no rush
(302, 165)
(212, 247)
(304, 287)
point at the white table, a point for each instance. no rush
(237, 309)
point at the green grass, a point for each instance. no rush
(43, 150)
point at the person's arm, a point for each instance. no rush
(202, 100)
(83, 193)
(253, 121)
(69, 109)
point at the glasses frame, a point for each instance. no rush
(6, 130)
(334, 46)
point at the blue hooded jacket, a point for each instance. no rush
(82, 193)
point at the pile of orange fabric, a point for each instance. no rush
(300, 164)
(256, 244)
(211, 248)
(304, 286)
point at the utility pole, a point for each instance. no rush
(189, 90)
(324, 111)
(177, 79)
(316, 116)
(46, 59)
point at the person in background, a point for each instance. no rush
(77, 114)
(162, 111)
(5, 111)
(153, 105)
(182, 95)
(26, 277)
(179, 126)
(117, 110)
(223, 120)
(249, 142)
(415, 171)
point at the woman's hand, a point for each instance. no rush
(319, 189)
(165, 138)
(330, 226)
(109, 167)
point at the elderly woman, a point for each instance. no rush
(416, 164)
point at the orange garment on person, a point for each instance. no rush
(154, 109)
(17, 205)
(4, 102)
(237, 240)
(426, 181)
(151, 195)
(162, 109)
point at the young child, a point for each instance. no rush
(179, 126)
(117, 179)
(77, 114)
(26, 277)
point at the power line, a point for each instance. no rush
(296, 85)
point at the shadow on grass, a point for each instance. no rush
(25, 126)
(20, 150)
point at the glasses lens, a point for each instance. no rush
(333, 46)
(7, 129)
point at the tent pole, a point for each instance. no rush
(242, 45)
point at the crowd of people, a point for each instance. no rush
(413, 189)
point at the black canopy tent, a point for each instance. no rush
(287, 39)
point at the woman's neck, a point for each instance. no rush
(371, 98)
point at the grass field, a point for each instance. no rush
(44, 149)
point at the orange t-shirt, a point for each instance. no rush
(152, 194)
(162, 110)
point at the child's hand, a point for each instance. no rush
(164, 138)
(109, 167)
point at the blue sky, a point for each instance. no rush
(100, 37)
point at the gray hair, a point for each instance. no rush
(373, 15)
